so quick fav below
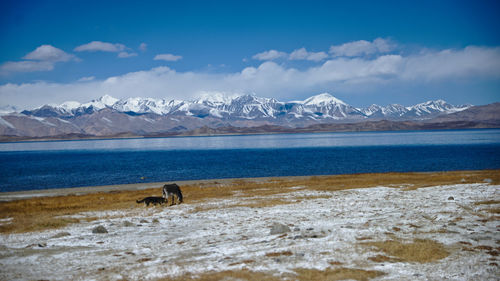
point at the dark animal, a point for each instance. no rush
(171, 190)
(152, 200)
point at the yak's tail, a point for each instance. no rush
(180, 196)
(139, 201)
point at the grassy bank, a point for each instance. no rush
(36, 214)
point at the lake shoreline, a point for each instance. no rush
(27, 194)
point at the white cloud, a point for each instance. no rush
(470, 61)
(86, 79)
(96, 46)
(318, 56)
(269, 78)
(355, 70)
(362, 47)
(269, 55)
(167, 57)
(42, 58)
(48, 53)
(143, 47)
(26, 66)
(303, 54)
(126, 55)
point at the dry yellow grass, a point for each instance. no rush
(277, 254)
(493, 210)
(302, 274)
(244, 275)
(343, 273)
(44, 212)
(252, 188)
(421, 251)
(382, 258)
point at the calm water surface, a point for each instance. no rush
(54, 164)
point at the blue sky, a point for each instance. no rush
(363, 52)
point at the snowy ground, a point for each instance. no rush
(327, 229)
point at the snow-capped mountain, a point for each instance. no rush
(143, 116)
(419, 111)
(394, 111)
(251, 107)
(433, 108)
(145, 105)
(325, 106)
(72, 108)
(322, 107)
(7, 109)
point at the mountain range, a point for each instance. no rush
(108, 116)
(249, 107)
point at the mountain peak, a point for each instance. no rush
(107, 100)
(102, 102)
(215, 97)
(321, 99)
(70, 105)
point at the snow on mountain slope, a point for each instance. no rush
(108, 115)
(326, 106)
(102, 102)
(70, 105)
(215, 98)
(6, 123)
(425, 110)
(144, 105)
(432, 108)
(393, 110)
(252, 107)
(218, 105)
(72, 108)
(322, 99)
(368, 111)
(7, 109)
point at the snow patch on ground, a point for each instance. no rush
(150, 243)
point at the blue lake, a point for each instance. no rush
(55, 164)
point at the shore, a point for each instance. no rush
(17, 195)
(26, 194)
(391, 226)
